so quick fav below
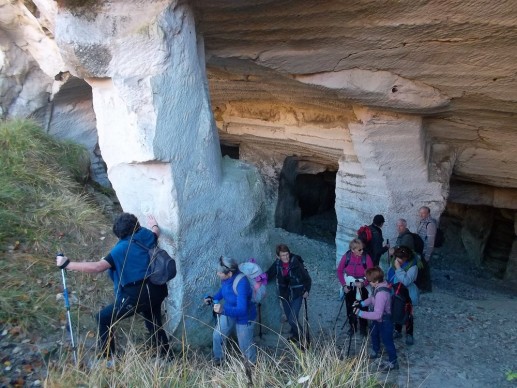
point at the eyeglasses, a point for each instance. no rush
(359, 250)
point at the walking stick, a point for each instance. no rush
(260, 319)
(339, 313)
(67, 306)
(307, 334)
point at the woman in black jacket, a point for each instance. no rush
(294, 284)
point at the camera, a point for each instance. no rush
(208, 300)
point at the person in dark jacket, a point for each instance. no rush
(294, 284)
(128, 265)
(375, 247)
(238, 311)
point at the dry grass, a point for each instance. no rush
(43, 209)
(320, 366)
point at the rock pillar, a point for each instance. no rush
(157, 135)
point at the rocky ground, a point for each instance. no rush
(465, 331)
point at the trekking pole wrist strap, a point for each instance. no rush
(65, 264)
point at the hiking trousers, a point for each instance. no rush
(384, 330)
(244, 331)
(143, 298)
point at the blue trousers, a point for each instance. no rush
(292, 310)
(384, 330)
(223, 329)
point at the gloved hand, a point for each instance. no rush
(208, 300)
(357, 304)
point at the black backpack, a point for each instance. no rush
(439, 239)
(162, 267)
(418, 243)
(348, 257)
(400, 302)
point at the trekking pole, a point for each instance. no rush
(218, 316)
(260, 319)
(307, 334)
(339, 313)
(67, 306)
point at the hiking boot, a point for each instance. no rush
(397, 334)
(216, 361)
(409, 339)
(389, 366)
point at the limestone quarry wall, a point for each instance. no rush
(403, 109)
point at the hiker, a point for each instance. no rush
(382, 327)
(238, 312)
(404, 269)
(351, 275)
(127, 265)
(405, 238)
(375, 247)
(294, 284)
(427, 229)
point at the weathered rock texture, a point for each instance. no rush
(407, 103)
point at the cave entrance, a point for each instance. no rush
(307, 199)
(499, 244)
(230, 150)
(477, 237)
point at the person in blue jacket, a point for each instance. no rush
(238, 311)
(127, 265)
(404, 269)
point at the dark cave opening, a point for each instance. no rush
(306, 201)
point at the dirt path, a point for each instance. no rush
(465, 330)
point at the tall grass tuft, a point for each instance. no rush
(41, 200)
(320, 366)
(43, 209)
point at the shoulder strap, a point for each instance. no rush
(141, 245)
(363, 260)
(236, 282)
(348, 256)
(385, 289)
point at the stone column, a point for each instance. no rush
(158, 138)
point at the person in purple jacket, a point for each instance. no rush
(238, 312)
(381, 316)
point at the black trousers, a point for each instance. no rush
(350, 298)
(144, 299)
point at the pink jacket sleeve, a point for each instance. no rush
(378, 308)
(341, 270)
(369, 262)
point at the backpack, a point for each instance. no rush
(400, 302)
(162, 267)
(420, 280)
(254, 273)
(439, 239)
(348, 257)
(364, 233)
(418, 243)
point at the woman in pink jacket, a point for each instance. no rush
(351, 275)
